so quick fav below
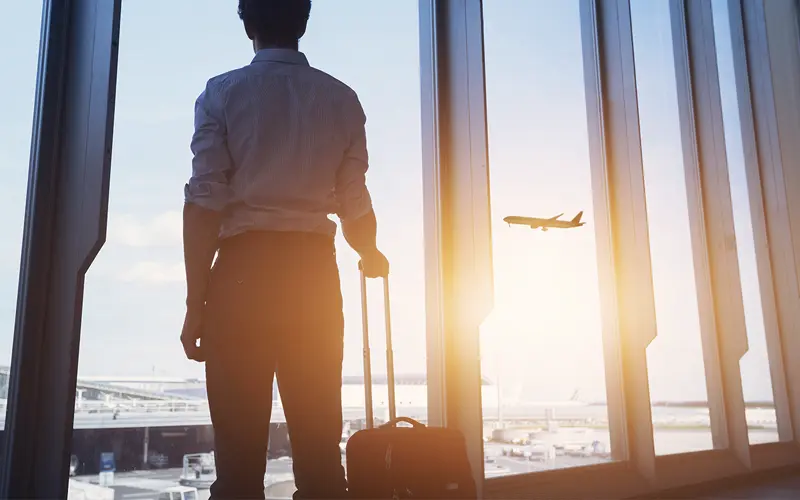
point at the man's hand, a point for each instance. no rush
(192, 335)
(374, 264)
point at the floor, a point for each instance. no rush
(776, 489)
(779, 484)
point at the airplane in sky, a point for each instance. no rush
(545, 224)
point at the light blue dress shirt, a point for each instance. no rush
(278, 146)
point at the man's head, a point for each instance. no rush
(274, 23)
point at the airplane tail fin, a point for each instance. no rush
(577, 218)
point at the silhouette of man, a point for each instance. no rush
(278, 146)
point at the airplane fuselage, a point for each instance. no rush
(544, 224)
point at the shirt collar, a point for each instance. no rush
(287, 56)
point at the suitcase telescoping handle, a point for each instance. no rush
(366, 351)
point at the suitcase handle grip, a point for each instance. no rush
(411, 421)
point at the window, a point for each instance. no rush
(131, 364)
(19, 47)
(756, 380)
(675, 358)
(542, 345)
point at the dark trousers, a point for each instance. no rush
(274, 308)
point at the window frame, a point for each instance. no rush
(707, 179)
(622, 237)
(467, 236)
(623, 264)
(716, 263)
(742, 52)
(767, 67)
(65, 225)
(456, 163)
(64, 229)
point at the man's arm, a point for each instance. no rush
(359, 223)
(200, 243)
(362, 233)
(205, 195)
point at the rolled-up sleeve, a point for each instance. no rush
(212, 166)
(352, 195)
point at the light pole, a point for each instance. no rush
(499, 392)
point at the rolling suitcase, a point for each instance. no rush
(391, 461)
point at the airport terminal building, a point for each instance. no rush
(153, 422)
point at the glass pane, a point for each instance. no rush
(542, 344)
(20, 25)
(138, 397)
(756, 380)
(675, 358)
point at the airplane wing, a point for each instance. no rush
(556, 217)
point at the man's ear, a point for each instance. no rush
(302, 31)
(249, 30)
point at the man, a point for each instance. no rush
(278, 146)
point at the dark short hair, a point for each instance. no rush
(275, 21)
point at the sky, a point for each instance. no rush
(543, 338)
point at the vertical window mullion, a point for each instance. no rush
(711, 215)
(464, 219)
(616, 157)
(64, 229)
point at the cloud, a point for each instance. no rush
(162, 230)
(154, 273)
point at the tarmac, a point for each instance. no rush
(146, 485)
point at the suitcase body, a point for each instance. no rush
(394, 461)
(409, 462)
